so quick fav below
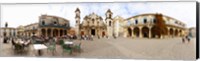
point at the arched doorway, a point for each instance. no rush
(61, 32)
(92, 31)
(4, 33)
(176, 32)
(82, 33)
(103, 34)
(154, 32)
(129, 31)
(65, 32)
(145, 31)
(43, 32)
(171, 31)
(55, 32)
(49, 32)
(136, 31)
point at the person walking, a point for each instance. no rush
(188, 39)
(183, 39)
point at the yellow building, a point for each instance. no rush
(143, 25)
(48, 25)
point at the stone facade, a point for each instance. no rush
(48, 25)
(94, 24)
(8, 32)
(143, 26)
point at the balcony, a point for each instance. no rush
(54, 25)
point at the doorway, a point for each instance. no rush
(92, 31)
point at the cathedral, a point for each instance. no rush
(94, 24)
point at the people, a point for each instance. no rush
(183, 39)
(187, 37)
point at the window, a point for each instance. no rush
(33, 27)
(145, 20)
(93, 21)
(88, 22)
(97, 23)
(43, 23)
(136, 21)
(109, 15)
(109, 23)
(55, 22)
(154, 20)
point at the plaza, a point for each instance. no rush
(131, 48)
(77, 32)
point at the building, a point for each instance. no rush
(143, 25)
(48, 25)
(93, 24)
(8, 32)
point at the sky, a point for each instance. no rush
(24, 14)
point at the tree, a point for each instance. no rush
(160, 25)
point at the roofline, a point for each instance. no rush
(154, 14)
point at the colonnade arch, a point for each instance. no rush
(136, 31)
(145, 31)
(53, 32)
(152, 32)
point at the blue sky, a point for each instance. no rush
(23, 14)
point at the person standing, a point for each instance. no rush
(183, 39)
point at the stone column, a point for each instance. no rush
(39, 31)
(140, 33)
(51, 32)
(132, 28)
(46, 33)
(168, 33)
(149, 32)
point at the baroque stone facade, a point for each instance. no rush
(94, 24)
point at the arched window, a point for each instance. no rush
(43, 23)
(93, 21)
(154, 20)
(109, 23)
(33, 27)
(145, 20)
(55, 22)
(109, 15)
(136, 21)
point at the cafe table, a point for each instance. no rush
(39, 47)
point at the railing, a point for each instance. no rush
(52, 25)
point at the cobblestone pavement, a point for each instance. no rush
(130, 48)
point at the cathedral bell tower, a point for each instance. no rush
(77, 23)
(109, 23)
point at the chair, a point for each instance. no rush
(66, 48)
(52, 47)
(61, 42)
(78, 47)
(13, 43)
